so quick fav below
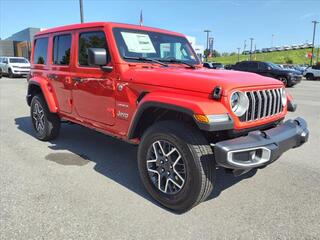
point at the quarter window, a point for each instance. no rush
(40, 51)
(61, 49)
(90, 40)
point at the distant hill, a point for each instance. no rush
(297, 56)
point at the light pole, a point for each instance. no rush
(81, 10)
(211, 42)
(238, 54)
(272, 38)
(314, 33)
(251, 40)
(208, 32)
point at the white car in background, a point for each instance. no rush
(312, 73)
(14, 66)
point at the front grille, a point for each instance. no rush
(263, 104)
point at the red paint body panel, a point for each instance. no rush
(98, 103)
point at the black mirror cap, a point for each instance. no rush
(97, 56)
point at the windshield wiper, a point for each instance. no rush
(143, 59)
(174, 60)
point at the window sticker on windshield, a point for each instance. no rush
(138, 43)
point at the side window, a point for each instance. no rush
(253, 66)
(316, 67)
(243, 65)
(207, 65)
(61, 49)
(90, 40)
(263, 66)
(40, 51)
(5, 60)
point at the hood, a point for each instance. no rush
(198, 80)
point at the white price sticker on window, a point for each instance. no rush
(138, 43)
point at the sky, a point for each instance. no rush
(231, 21)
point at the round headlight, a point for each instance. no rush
(239, 103)
(283, 97)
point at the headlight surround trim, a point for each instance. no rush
(284, 99)
(239, 103)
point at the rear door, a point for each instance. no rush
(93, 90)
(60, 70)
(253, 67)
(242, 66)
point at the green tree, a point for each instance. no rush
(288, 60)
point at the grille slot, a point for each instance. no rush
(263, 104)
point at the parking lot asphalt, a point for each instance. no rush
(85, 185)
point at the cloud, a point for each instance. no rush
(234, 3)
(306, 16)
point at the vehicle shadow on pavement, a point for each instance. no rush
(114, 159)
(225, 180)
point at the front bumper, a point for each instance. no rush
(295, 79)
(21, 71)
(260, 148)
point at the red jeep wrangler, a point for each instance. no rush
(147, 86)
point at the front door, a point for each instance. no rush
(93, 89)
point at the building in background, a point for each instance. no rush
(18, 44)
(6, 48)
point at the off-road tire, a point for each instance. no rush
(310, 76)
(199, 163)
(51, 121)
(10, 73)
(284, 80)
(289, 83)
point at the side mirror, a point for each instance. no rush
(98, 57)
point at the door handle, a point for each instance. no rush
(77, 79)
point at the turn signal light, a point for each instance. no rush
(201, 118)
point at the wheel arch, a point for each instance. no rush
(150, 112)
(162, 106)
(42, 86)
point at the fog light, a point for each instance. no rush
(249, 158)
(252, 155)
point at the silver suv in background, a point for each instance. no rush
(14, 66)
(312, 73)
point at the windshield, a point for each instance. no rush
(134, 43)
(18, 60)
(275, 66)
